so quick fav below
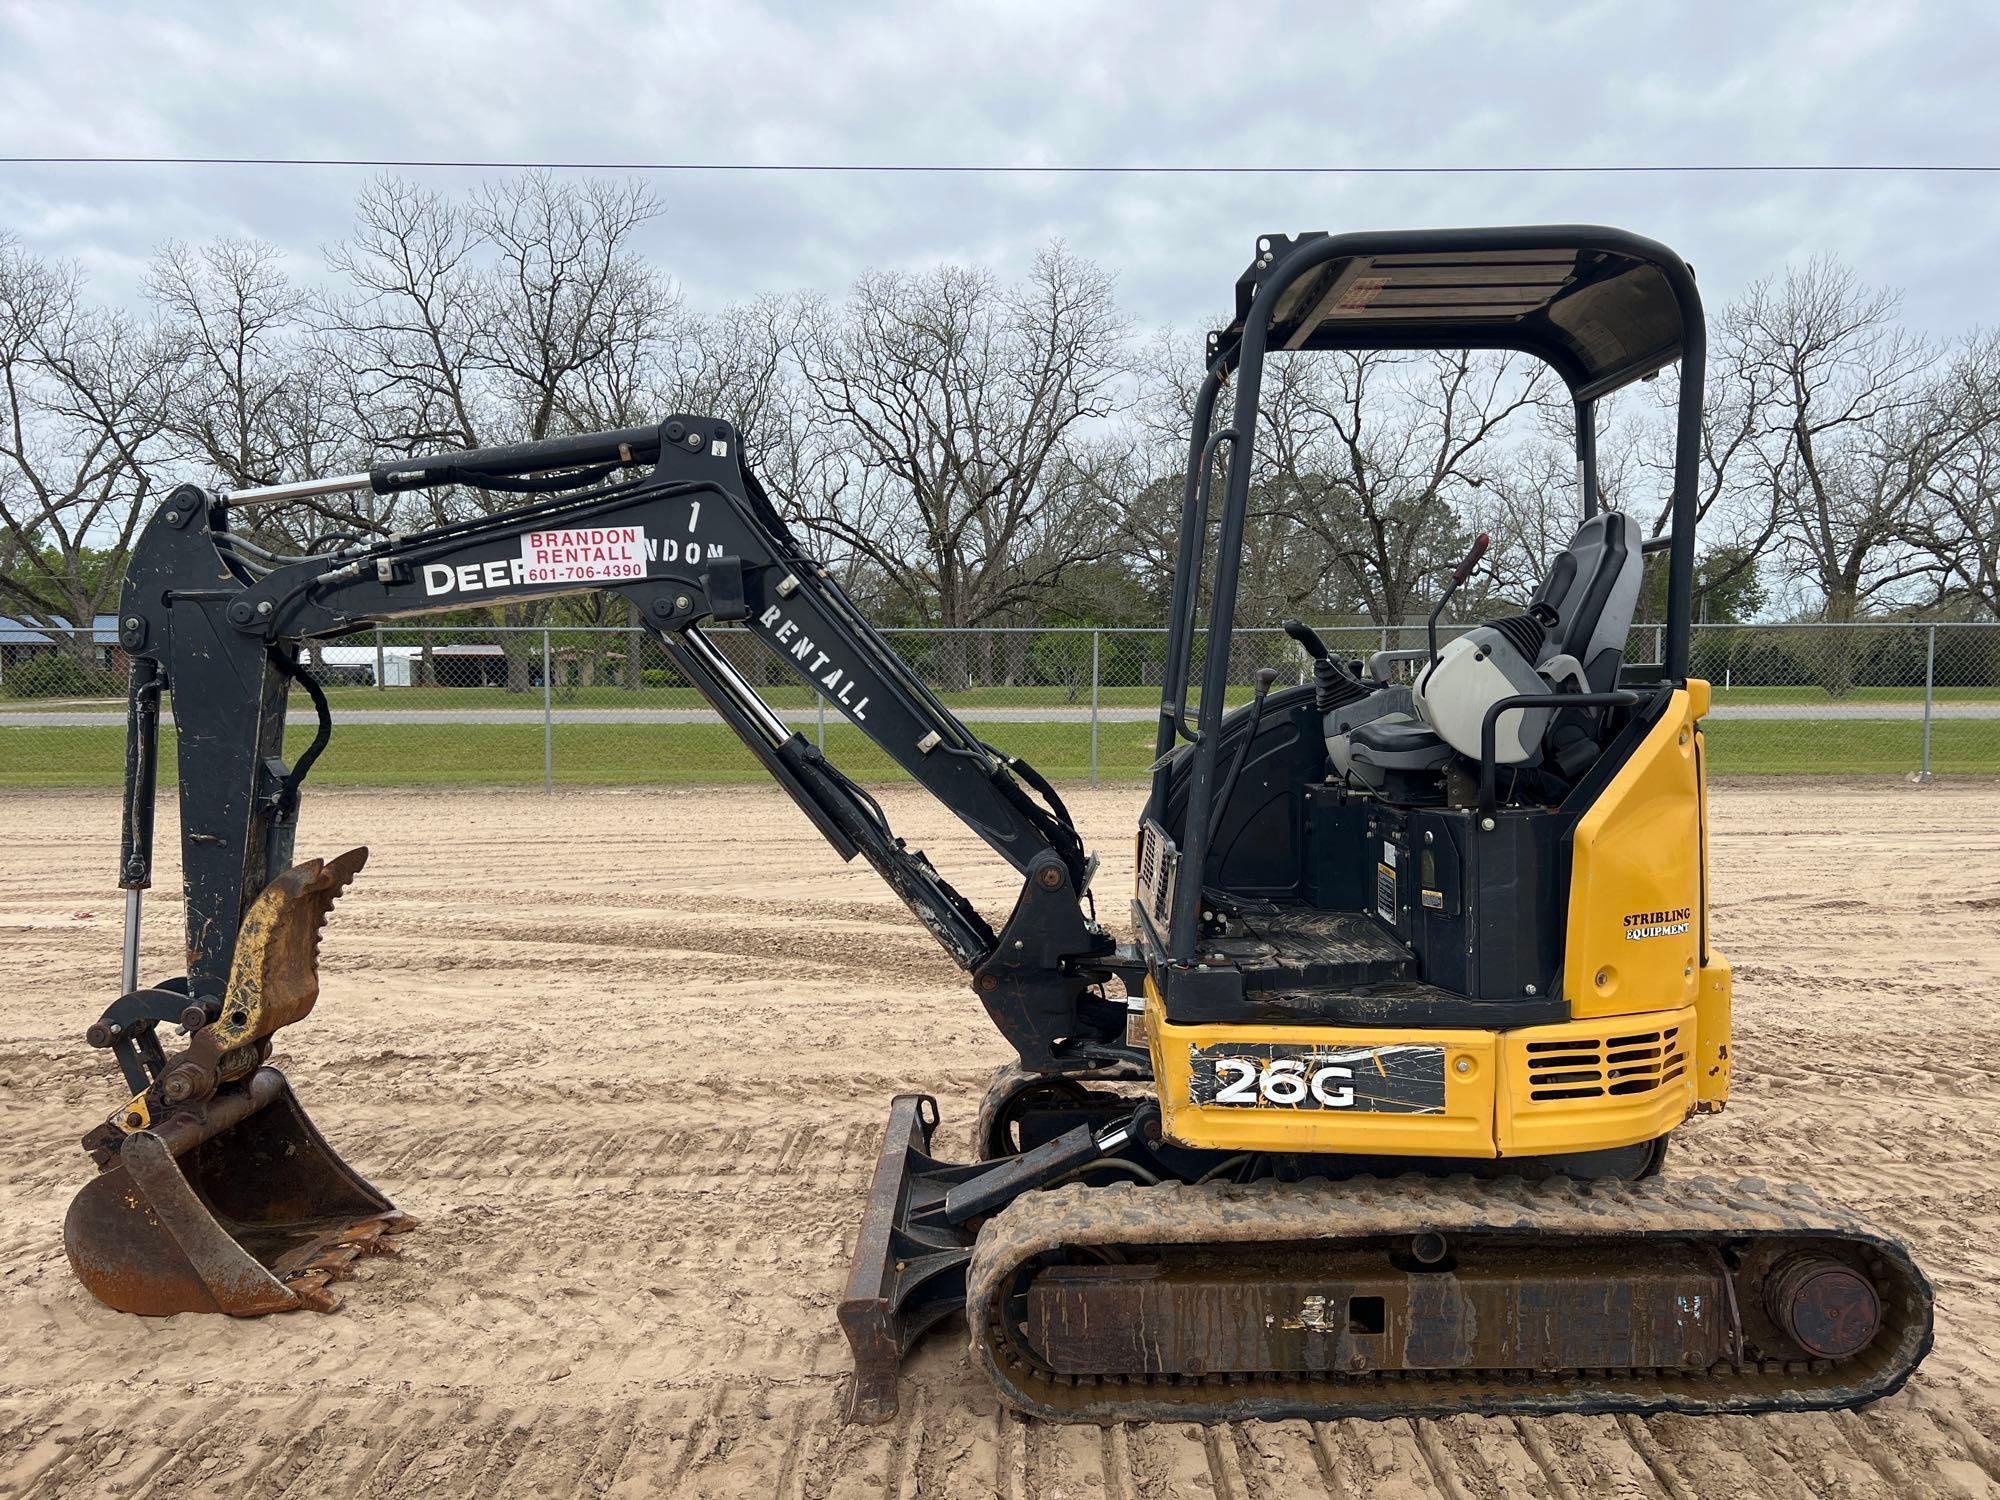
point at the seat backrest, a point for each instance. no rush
(1587, 599)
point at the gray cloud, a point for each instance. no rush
(1434, 81)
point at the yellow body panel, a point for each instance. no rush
(1712, 1035)
(1583, 1085)
(1648, 1042)
(1635, 885)
(1464, 1129)
(1536, 1090)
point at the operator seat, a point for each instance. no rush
(1572, 636)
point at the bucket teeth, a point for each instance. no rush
(274, 975)
(273, 983)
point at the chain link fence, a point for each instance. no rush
(577, 705)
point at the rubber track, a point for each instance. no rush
(1700, 1208)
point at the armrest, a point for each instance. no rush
(1489, 727)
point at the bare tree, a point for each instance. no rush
(1375, 453)
(85, 402)
(1530, 504)
(960, 414)
(256, 400)
(572, 312)
(1856, 433)
(521, 314)
(239, 321)
(1961, 519)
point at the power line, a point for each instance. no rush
(999, 169)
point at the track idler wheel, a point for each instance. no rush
(1826, 1306)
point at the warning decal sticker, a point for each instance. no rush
(1357, 297)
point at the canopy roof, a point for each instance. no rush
(1599, 305)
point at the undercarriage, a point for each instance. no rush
(1154, 1283)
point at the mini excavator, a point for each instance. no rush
(1366, 1119)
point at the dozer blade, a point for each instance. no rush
(216, 1193)
(909, 1265)
(236, 1206)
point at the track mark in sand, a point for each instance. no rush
(580, 1152)
(1443, 1469)
(787, 1482)
(1010, 1455)
(906, 1444)
(1836, 1434)
(1553, 1472)
(1484, 1455)
(1068, 1460)
(1407, 1459)
(1276, 1460)
(1222, 1470)
(1977, 1448)
(858, 1463)
(1322, 1456)
(1165, 1459)
(1116, 1457)
(1808, 1456)
(1662, 1468)
(701, 1435)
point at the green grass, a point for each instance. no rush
(1848, 747)
(622, 754)
(585, 754)
(781, 696)
(778, 696)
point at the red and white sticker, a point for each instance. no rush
(584, 554)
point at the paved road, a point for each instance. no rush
(99, 718)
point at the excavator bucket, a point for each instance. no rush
(216, 1193)
(238, 1206)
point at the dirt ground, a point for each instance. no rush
(627, 1055)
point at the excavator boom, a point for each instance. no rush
(217, 1193)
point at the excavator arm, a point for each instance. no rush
(671, 519)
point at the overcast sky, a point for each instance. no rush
(1409, 82)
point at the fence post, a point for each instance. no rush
(548, 724)
(381, 677)
(1096, 640)
(1930, 678)
(1659, 643)
(820, 698)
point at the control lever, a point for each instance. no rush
(1307, 637)
(1458, 577)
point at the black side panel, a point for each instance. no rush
(1520, 873)
(1259, 847)
(1337, 867)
